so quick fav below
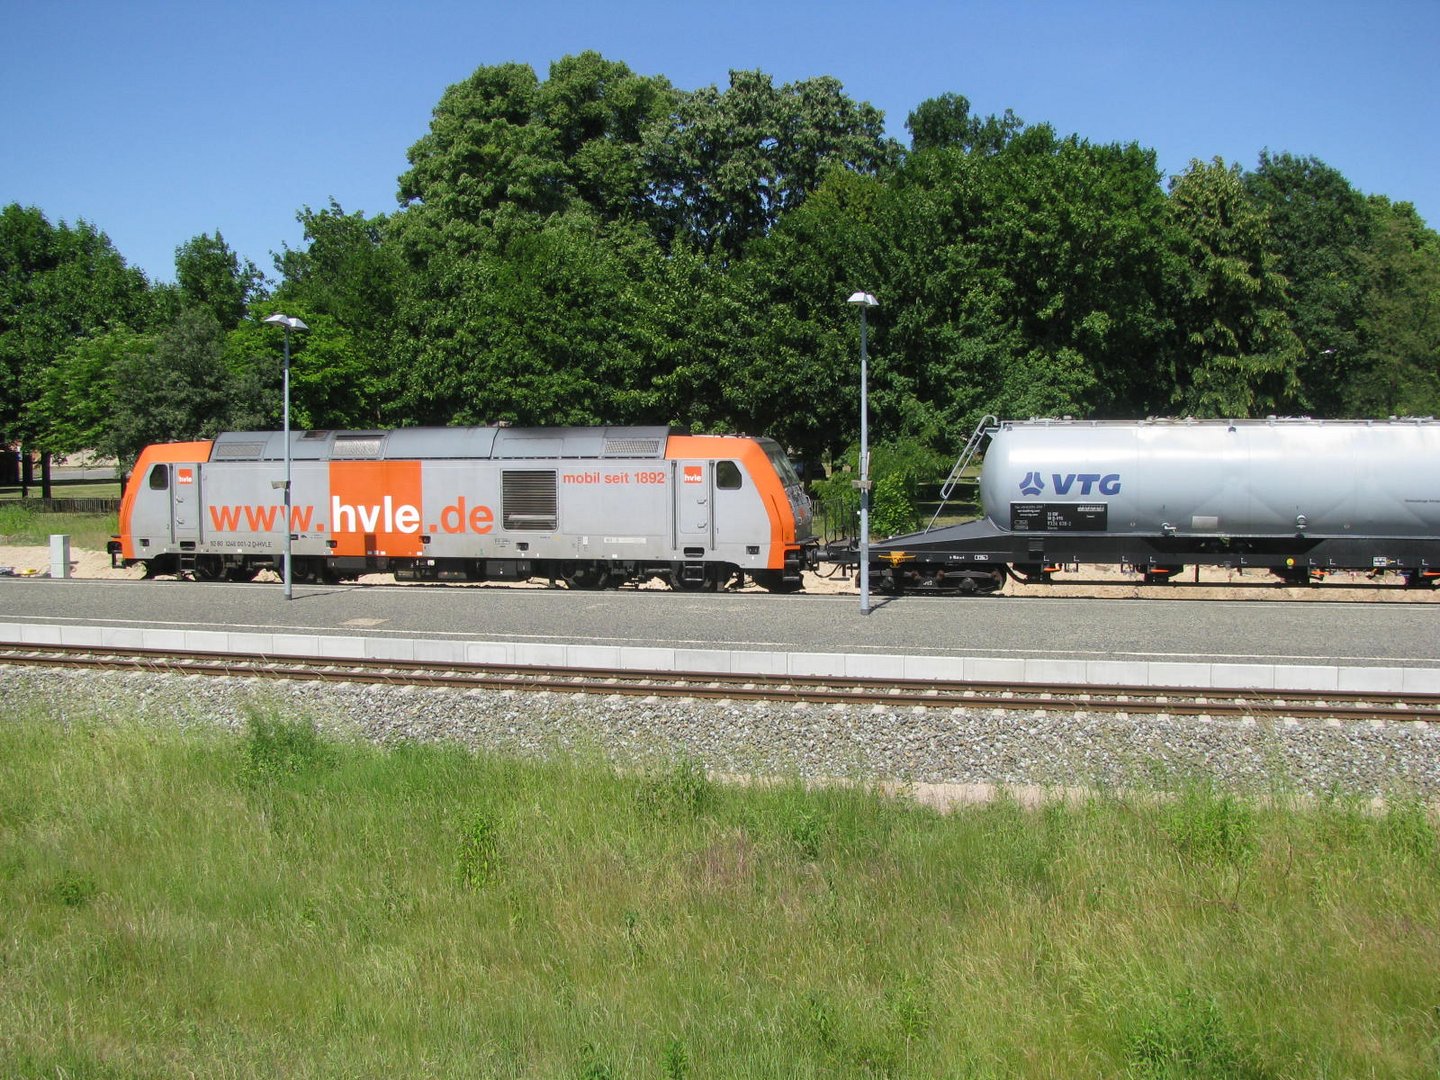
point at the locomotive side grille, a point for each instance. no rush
(631, 448)
(367, 446)
(528, 499)
(238, 451)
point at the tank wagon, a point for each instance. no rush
(593, 507)
(1298, 497)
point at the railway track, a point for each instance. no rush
(1244, 704)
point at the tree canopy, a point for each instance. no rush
(600, 246)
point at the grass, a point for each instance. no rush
(21, 526)
(279, 903)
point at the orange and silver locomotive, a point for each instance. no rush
(593, 507)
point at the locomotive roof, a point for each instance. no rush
(504, 443)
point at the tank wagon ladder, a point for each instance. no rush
(983, 430)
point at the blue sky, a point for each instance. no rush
(159, 121)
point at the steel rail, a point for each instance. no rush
(1274, 704)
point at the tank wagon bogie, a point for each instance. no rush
(1300, 498)
(592, 507)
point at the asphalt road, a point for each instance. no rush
(1005, 626)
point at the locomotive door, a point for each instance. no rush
(694, 505)
(185, 503)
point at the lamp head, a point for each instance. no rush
(863, 299)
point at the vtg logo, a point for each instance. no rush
(1107, 484)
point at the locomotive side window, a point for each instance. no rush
(160, 478)
(727, 475)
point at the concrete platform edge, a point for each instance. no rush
(1217, 676)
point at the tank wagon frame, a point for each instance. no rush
(592, 507)
(1298, 497)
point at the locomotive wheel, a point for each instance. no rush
(585, 576)
(708, 581)
(208, 568)
(774, 581)
(311, 571)
(161, 564)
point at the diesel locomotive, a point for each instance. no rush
(1298, 497)
(592, 507)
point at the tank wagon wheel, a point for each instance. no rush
(1161, 575)
(1422, 579)
(982, 582)
(1034, 573)
(1298, 575)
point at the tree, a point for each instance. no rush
(177, 390)
(211, 276)
(503, 147)
(1024, 278)
(1398, 372)
(600, 111)
(945, 121)
(1234, 352)
(789, 364)
(349, 282)
(58, 284)
(728, 164)
(78, 407)
(541, 331)
(1319, 229)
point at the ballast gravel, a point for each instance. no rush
(1025, 749)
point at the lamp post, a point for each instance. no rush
(289, 322)
(864, 301)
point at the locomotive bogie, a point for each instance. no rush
(589, 507)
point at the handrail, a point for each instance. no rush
(986, 426)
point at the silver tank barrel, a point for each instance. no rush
(1333, 478)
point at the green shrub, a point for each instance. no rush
(1188, 1037)
(477, 863)
(1407, 830)
(1212, 826)
(682, 789)
(898, 469)
(275, 750)
(892, 507)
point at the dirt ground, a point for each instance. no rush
(1097, 581)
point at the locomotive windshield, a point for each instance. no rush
(782, 464)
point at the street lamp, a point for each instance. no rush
(864, 301)
(290, 323)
